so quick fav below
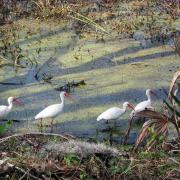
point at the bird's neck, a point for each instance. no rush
(124, 108)
(62, 101)
(10, 106)
(149, 97)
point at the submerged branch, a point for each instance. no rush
(67, 87)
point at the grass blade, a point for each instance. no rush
(86, 20)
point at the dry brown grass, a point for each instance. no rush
(23, 156)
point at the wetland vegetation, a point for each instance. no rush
(103, 52)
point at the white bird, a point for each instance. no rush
(145, 104)
(53, 110)
(114, 112)
(5, 110)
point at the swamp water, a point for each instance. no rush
(114, 70)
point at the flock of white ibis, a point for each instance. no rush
(54, 110)
(115, 112)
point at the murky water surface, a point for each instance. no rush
(114, 71)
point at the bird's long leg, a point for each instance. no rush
(40, 125)
(51, 124)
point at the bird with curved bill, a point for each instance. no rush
(144, 105)
(114, 112)
(54, 110)
(5, 110)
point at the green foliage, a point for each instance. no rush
(118, 165)
(151, 155)
(71, 159)
(117, 169)
(82, 175)
(54, 139)
(154, 137)
(11, 53)
(5, 127)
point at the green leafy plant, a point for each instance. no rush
(71, 159)
(5, 127)
(82, 175)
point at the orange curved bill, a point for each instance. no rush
(152, 92)
(18, 101)
(131, 106)
(69, 96)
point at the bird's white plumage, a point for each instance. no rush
(112, 113)
(4, 110)
(53, 110)
(144, 104)
(50, 112)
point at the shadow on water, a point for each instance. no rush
(99, 63)
(42, 36)
(106, 62)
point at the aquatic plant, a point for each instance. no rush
(11, 53)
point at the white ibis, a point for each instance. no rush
(145, 104)
(53, 110)
(140, 107)
(114, 112)
(5, 110)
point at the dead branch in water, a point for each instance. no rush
(67, 87)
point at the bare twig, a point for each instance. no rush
(27, 173)
(23, 176)
(172, 159)
(2, 140)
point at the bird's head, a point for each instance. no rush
(150, 92)
(66, 95)
(129, 105)
(15, 100)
